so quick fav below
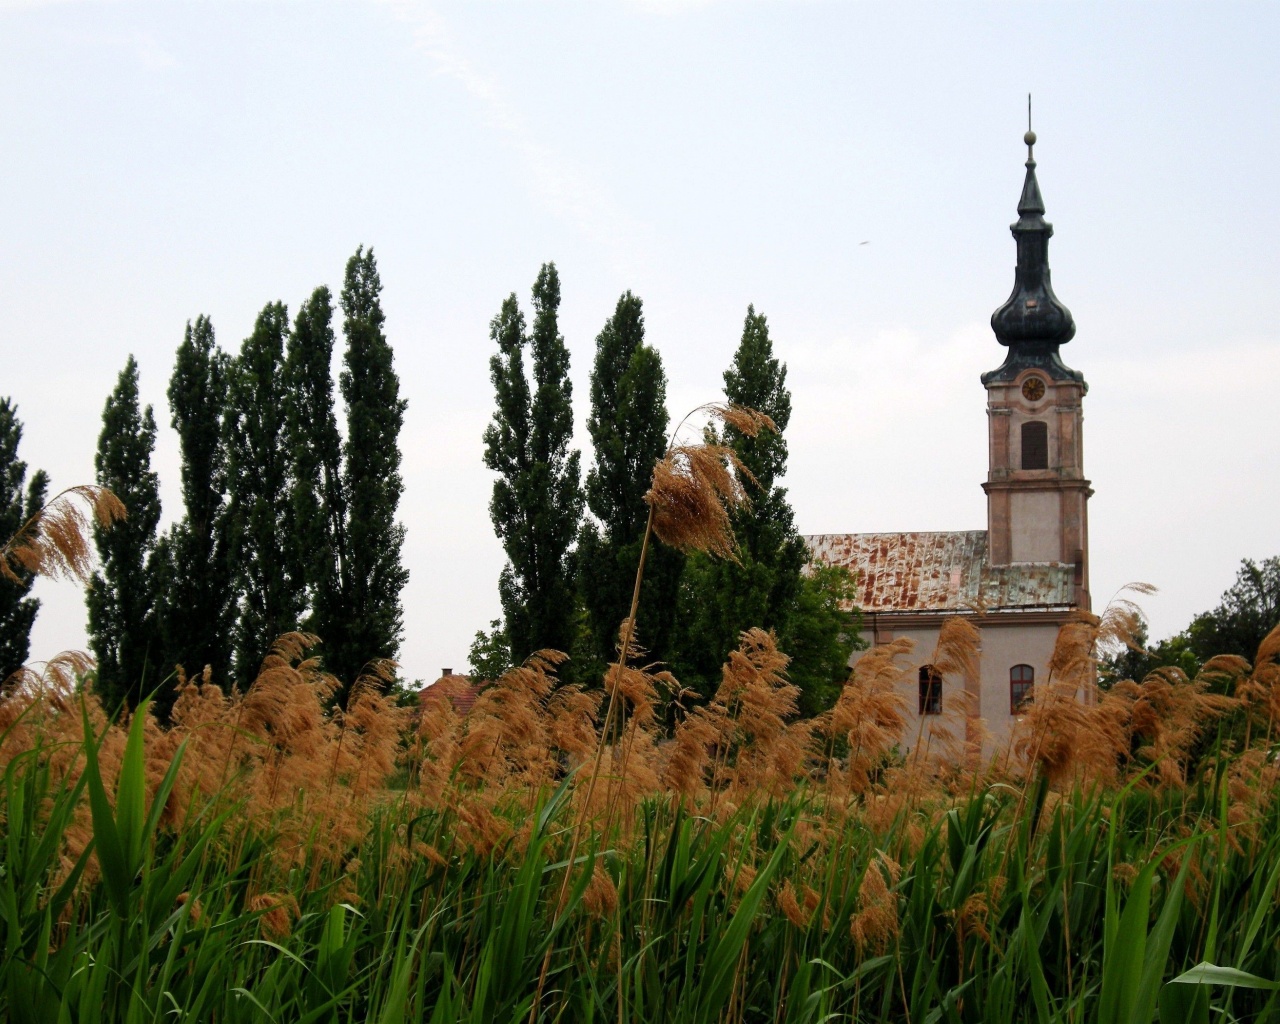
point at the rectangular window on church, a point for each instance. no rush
(1022, 681)
(1035, 445)
(930, 691)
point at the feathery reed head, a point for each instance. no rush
(748, 422)
(875, 924)
(55, 542)
(1122, 619)
(695, 486)
(693, 489)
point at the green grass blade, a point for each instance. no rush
(131, 791)
(1211, 974)
(112, 858)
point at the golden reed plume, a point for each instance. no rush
(695, 486)
(55, 541)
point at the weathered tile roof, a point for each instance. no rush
(459, 689)
(932, 572)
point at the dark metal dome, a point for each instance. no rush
(1032, 322)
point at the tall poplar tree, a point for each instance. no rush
(628, 428)
(315, 447)
(260, 506)
(537, 498)
(374, 575)
(19, 501)
(123, 631)
(766, 586)
(198, 598)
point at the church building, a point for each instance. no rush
(1027, 573)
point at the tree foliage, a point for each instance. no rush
(20, 499)
(767, 586)
(628, 429)
(198, 592)
(123, 626)
(261, 509)
(537, 498)
(316, 496)
(490, 654)
(1248, 611)
(373, 575)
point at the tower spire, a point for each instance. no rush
(1032, 322)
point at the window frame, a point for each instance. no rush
(1022, 685)
(1041, 445)
(930, 691)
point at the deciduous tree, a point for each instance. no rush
(1249, 610)
(20, 499)
(767, 585)
(374, 575)
(261, 509)
(198, 592)
(315, 448)
(123, 629)
(628, 427)
(537, 498)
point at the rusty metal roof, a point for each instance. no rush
(933, 572)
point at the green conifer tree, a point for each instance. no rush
(19, 501)
(628, 428)
(123, 629)
(315, 447)
(260, 507)
(371, 479)
(537, 498)
(767, 586)
(198, 593)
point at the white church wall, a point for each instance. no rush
(1002, 646)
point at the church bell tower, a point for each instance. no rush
(1037, 495)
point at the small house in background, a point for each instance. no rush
(1027, 573)
(459, 690)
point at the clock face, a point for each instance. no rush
(1033, 389)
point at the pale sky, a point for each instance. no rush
(162, 160)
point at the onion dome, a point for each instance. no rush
(1032, 322)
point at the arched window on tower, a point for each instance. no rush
(1022, 681)
(930, 690)
(1035, 444)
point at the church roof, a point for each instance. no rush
(939, 572)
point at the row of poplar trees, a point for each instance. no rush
(573, 545)
(286, 523)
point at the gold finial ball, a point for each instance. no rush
(1029, 138)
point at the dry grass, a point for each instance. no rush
(695, 487)
(289, 763)
(55, 542)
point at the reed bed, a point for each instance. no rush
(547, 858)
(557, 854)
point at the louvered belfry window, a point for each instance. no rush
(1035, 445)
(930, 691)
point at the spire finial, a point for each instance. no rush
(1033, 323)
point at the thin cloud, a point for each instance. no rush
(569, 190)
